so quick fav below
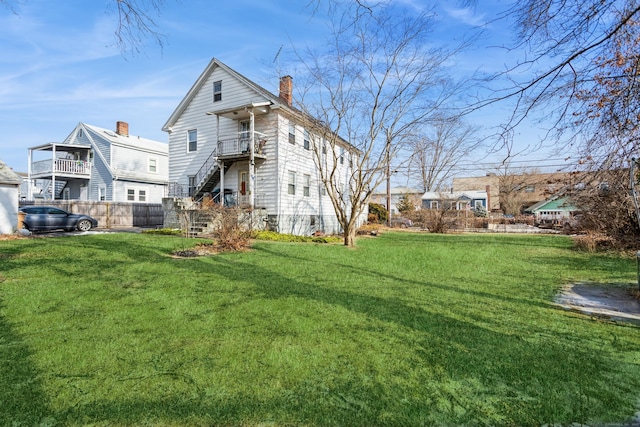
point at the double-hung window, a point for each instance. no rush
(217, 91)
(192, 140)
(306, 185)
(292, 133)
(291, 187)
(307, 144)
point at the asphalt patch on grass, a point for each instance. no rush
(615, 301)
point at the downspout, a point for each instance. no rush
(252, 164)
(53, 173)
(29, 172)
(277, 168)
(220, 164)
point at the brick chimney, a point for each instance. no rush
(286, 89)
(122, 128)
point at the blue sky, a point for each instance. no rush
(60, 65)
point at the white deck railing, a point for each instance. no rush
(62, 166)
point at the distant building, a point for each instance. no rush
(397, 194)
(514, 193)
(455, 200)
(554, 212)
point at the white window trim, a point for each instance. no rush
(217, 92)
(136, 194)
(306, 185)
(156, 164)
(189, 141)
(291, 174)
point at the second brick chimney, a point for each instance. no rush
(122, 128)
(286, 89)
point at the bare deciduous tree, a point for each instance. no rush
(376, 83)
(587, 58)
(434, 154)
(135, 21)
(561, 45)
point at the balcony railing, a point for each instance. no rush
(62, 167)
(240, 144)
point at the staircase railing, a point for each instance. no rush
(208, 167)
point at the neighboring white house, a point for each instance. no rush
(9, 195)
(229, 133)
(98, 164)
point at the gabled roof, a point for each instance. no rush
(556, 203)
(213, 64)
(130, 141)
(275, 101)
(8, 176)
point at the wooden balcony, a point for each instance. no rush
(61, 168)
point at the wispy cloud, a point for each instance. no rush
(467, 16)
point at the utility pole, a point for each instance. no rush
(388, 172)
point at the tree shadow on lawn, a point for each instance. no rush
(461, 373)
(53, 256)
(22, 401)
(488, 239)
(470, 374)
(377, 275)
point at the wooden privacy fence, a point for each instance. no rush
(111, 214)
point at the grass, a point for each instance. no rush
(406, 329)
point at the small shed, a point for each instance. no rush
(9, 195)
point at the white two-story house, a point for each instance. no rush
(97, 164)
(235, 141)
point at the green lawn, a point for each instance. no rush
(406, 329)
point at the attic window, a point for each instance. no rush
(217, 91)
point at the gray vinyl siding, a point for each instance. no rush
(100, 176)
(101, 144)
